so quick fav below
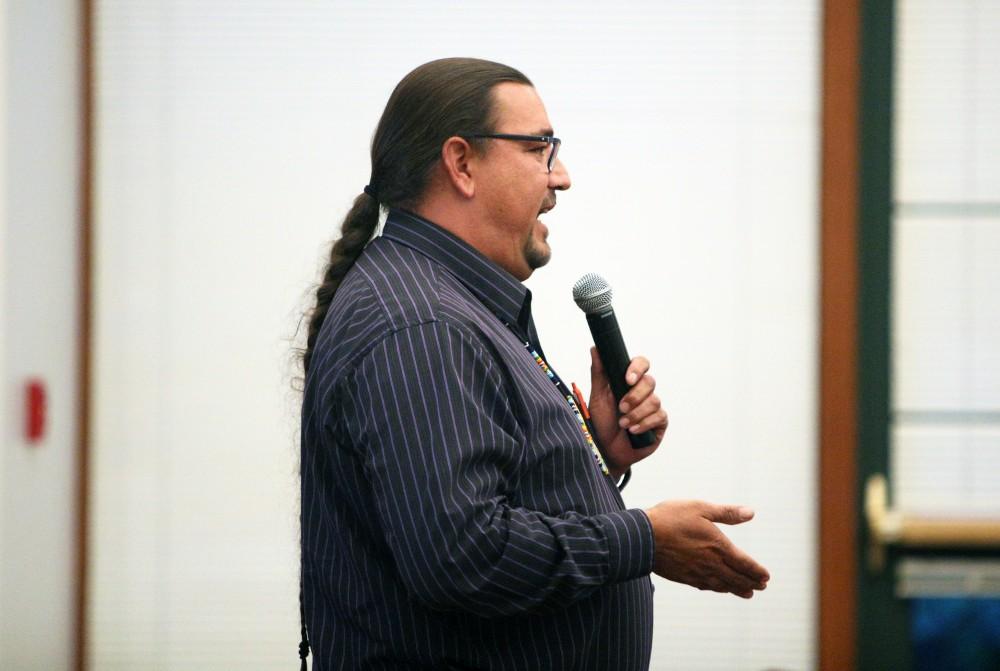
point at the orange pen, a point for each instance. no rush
(580, 402)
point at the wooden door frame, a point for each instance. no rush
(84, 342)
(838, 420)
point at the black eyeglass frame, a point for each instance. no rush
(550, 140)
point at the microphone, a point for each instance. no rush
(592, 294)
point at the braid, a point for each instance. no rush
(356, 231)
(359, 224)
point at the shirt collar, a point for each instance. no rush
(498, 290)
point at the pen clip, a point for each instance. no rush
(580, 402)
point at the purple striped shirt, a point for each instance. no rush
(453, 515)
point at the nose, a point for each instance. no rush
(559, 177)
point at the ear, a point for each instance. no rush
(457, 155)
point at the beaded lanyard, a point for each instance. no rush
(573, 404)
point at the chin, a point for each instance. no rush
(538, 255)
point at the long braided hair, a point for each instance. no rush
(430, 104)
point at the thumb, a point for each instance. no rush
(728, 514)
(597, 376)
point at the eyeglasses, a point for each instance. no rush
(553, 142)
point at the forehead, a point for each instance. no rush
(520, 110)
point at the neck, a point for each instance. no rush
(472, 227)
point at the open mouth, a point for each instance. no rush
(547, 207)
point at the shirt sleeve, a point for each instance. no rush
(442, 447)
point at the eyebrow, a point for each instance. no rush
(547, 132)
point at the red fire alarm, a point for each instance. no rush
(34, 410)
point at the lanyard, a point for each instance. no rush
(568, 395)
(574, 406)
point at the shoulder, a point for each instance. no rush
(390, 291)
(409, 289)
(405, 286)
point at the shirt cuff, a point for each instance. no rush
(629, 538)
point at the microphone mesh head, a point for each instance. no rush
(592, 293)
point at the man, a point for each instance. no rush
(457, 509)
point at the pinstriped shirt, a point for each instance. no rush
(453, 516)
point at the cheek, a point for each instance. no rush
(517, 196)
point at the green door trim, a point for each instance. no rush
(883, 620)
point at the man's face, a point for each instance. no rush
(516, 186)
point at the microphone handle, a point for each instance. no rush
(614, 356)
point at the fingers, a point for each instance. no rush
(597, 375)
(710, 570)
(636, 377)
(657, 421)
(745, 565)
(726, 579)
(638, 393)
(716, 574)
(632, 404)
(735, 559)
(636, 369)
(640, 408)
(647, 415)
(595, 361)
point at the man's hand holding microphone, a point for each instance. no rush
(629, 424)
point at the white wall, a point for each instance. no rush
(38, 268)
(232, 138)
(5, 421)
